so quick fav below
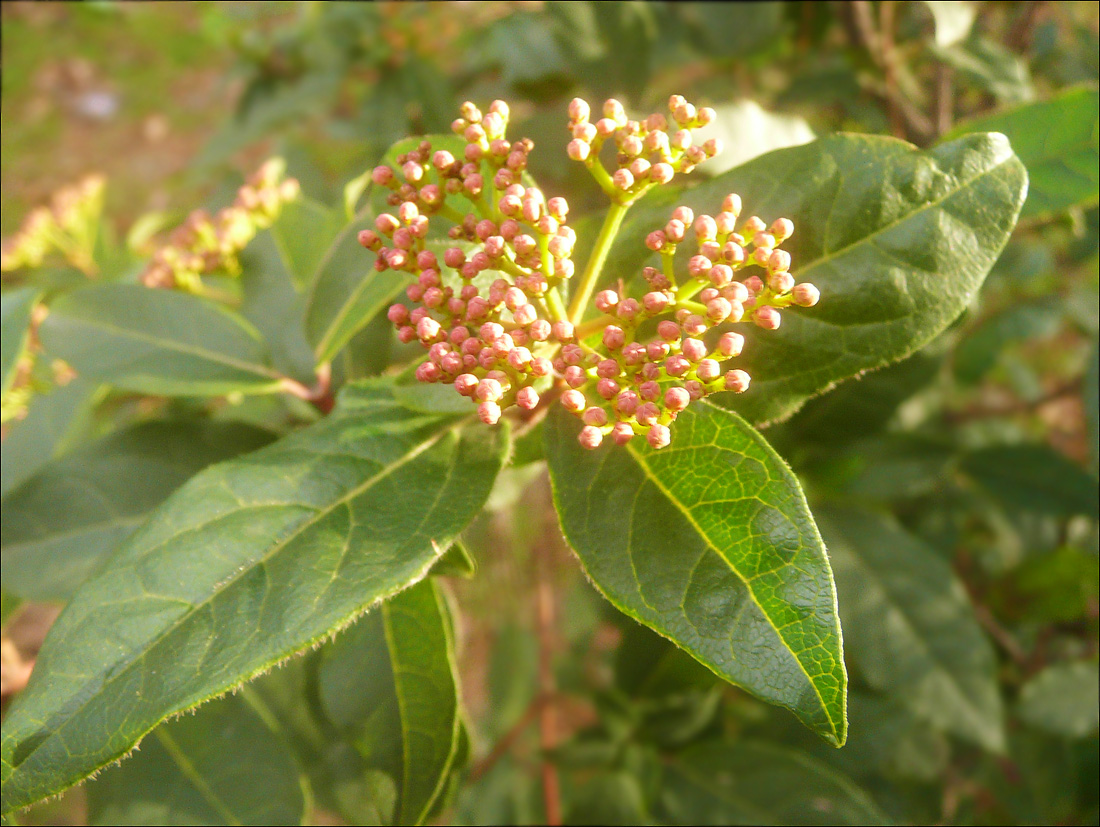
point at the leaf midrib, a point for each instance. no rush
(194, 776)
(832, 254)
(180, 347)
(748, 586)
(224, 586)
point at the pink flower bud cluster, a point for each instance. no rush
(486, 336)
(206, 244)
(624, 387)
(62, 227)
(648, 152)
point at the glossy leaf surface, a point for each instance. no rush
(1058, 141)
(742, 782)
(897, 240)
(389, 682)
(223, 765)
(157, 341)
(61, 524)
(710, 543)
(249, 562)
(910, 627)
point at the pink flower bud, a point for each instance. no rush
(465, 384)
(386, 224)
(753, 284)
(737, 381)
(781, 282)
(639, 168)
(647, 413)
(428, 372)
(558, 207)
(779, 260)
(527, 398)
(655, 302)
(590, 437)
(578, 110)
(525, 314)
(657, 350)
(578, 150)
(628, 309)
(699, 266)
(720, 275)
(650, 391)
(694, 349)
(595, 416)
(607, 388)
(489, 412)
(706, 229)
(541, 366)
(473, 184)
(575, 376)
(623, 179)
(613, 337)
(805, 294)
(730, 344)
(427, 329)
(607, 300)
(627, 402)
(433, 297)
(767, 318)
(661, 173)
(488, 390)
(398, 314)
(753, 224)
(680, 140)
(668, 330)
(676, 399)
(459, 335)
(705, 116)
(655, 240)
(573, 401)
(382, 175)
(607, 369)
(694, 325)
(782, 229)
(761, 254)
(631, 146)
(712, 147)
(732, 204)
(370, 240)
(487, 358)
(622, 433)
(563, 331)
(412, 171)
(677, 365)
(708, 370)
(718, 310)
(572, 354)
(451, 363)
(519, 358)
(658, 436)
(406, 334)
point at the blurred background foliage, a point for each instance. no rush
(968, 578)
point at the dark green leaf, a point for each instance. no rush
(157, 341)
(910, 627)
(709, 542)
(978, 352)
(249, 562)
(389, 683)
(303, 234)
(1034, 478)
(222, 765)
(897, 240)
(455, 562)
(991, 67)
(743, 782)
(61, 524)
(1058, 142)
(1063, 699)
(608, 797)
(15, 322)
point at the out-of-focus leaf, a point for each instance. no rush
(157, 341)
(52, 420)
(61, 524)
(991, 66)
(747, 130)
(1090, 391)
(977, 353)
(880, 228)
(1063, 699)
(1048, 588)
(390, 683)
(953, 19)
(745, 782)
(609, 797)
(222, 765)
(710, 543)
(1058, 142)
(910, 627)
(1034, 478)
(249, 562)
(15, 321)
(303, 234)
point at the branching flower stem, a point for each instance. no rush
(611, 224)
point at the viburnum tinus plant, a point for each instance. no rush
(283, 468)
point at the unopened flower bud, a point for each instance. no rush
(574, 401)
(613, 337)
(712, 147)
(488, 390)
(779, 260)
(694, 325)
(782, 228)
(737, 381)
(805, 294)
(489, 412)
(668, 330)
(590, 436)
(730, 344)
(607, 388)
(575, 376)
(677, 365)
(655, 241)
(370, 240)
(705, 116)
(693, 349)
(708, 370)
(647, 413)
(781, 282)
(525, 314)
(427, 329)
(676, 399)
(563, 331)
(614, 110)
(622, 433)
(720, 275)
(527, 398)
(658, 436)
(767, 318)
(661, 173)
(578, 110)
(595, 416)
(623, 179)
(428, 372)
(753, 225)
